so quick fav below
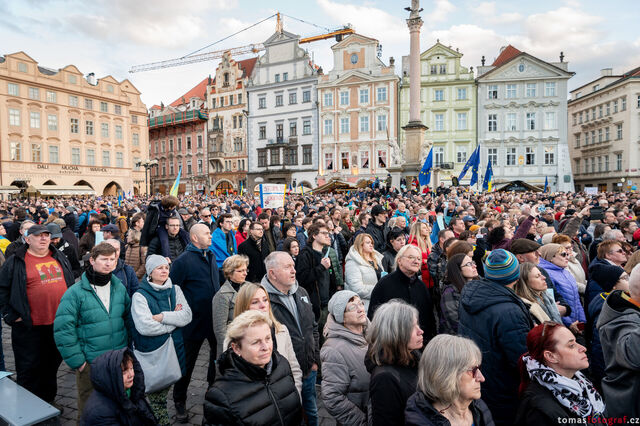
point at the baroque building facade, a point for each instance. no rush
(522, 125)
(60, 130)
(604, 132)
(447, 108)
(358, 112)
(282, 128)
(227, 126)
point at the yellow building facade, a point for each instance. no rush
(60, 130)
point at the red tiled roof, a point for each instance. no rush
(156, 107)
(198, 91)
(247, 65)
(506, 55)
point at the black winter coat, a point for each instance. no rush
(14, 303)
(397, 285)
(177, 245)
(420, 412)
(538, 406)
(494, 317)
(377, 233)
(72, 255)
(256, 270)
(109, 404)
(245, 394)
(311, 274)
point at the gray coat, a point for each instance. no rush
(223, 304)
(619, 329)
(345, 380)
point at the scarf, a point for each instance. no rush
(577, 394)
(96, 278)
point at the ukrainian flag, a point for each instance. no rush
(176, 184)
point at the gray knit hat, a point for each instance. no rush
(153, 262)
(338, 303)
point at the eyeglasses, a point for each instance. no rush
(474, 371)
(324, 232)
(617, 251)
(547, 324)
(205, 215)
(469, 265)
(412, 258)
(354, 306)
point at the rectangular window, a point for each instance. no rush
(279, 100)
(531, 121)
(262, 158)
(344, 98)
(492, 91)
(461, 154)
(119, 159)
(462, 121)
(117, 109)
(434, 69)
(615, 106)
(492, 123)
(529, 156)
(34, 120)
(91, 157)
(364, 96)
(364, 159)
(618, 162)
(200, 166)
(118, 131)
(306, 96)
(106, 158)
(135, 139)
(104, 107)
(618, 131)
(580, 117)
(88, 103)
(293, 98)
(15, 151)
(599, 164)
(293, 128)
(13, 89)
(443, 69)
(606, 163)
(462, 93)
(75, 125)
(586, 165)
(600, 111)
(328, 126)
(549, 156)
(306, 127)
(171, 168)
(550, 88)
(512, 119)
(262, 103)
(577, 140)
(277, 78)
(279, 132)
(638, 102)
(599, 135)
(89, 127)
(364, 123)
(550, 120)
(36, 153)
(34, 93)
(344, 125)
(608, 110)
(438, 95)
(75, 156)
(382, 123)
(438, 156)
(382, 158)
(170, 145)
(439, 122)
(381, 94)
(199, 141)
(179, 144)
(188, 143)
(53, 154)
(328, 160)
(275, 157)
(52, 122)
(328, 99)
(492, 156)
(512, 91)
(511, 156)
(52, 96)
(73, 101)
(262, 133)
(344, 160)
(221, 101)
(104, 128)
(623, 104)
(531, 90)
(593, 164)
(14, 117)
(239, 98)
(606, 134)
(593, 137)
(306, 154)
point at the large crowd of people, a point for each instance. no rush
(437, 308)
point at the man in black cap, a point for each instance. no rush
(32, 282)
(187, 218)
(375, 228)
(111, 231)
(526, 250)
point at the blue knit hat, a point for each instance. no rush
(501, 267)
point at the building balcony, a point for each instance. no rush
(177, 118)
(281, 140)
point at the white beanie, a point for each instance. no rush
(153, 262)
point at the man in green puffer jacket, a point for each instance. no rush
(93, 318)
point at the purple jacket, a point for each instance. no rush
(521, 232)
(566, 285)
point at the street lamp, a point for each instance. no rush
(147, 164)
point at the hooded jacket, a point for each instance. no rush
(127, 277)
(109, 404)
(360, 275)
(599, 272)
(619, 328)
(245, 394)
(495, 318)
(345, 380)
(377, 233)
(566, 285)
(420, 412)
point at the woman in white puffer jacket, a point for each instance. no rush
(363, 268)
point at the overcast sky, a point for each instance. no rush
(107, 37)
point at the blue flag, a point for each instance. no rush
(546, 183)
(488, 178)
(474, 167)
(437, 226)
(425, 174)
(469, 163)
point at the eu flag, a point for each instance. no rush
(425, 174)
(475, 164)
(546, 184)
(488, 178)
(469, 163)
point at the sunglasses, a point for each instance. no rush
(617, 251)
(565, 254)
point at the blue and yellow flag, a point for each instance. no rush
(546, 184)
(488, 178)
(475, 165)
(469, 163)
(425, 174)
(176, 184)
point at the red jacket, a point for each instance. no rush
(426, 276)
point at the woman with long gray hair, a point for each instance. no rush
(394, 339)
(449, 380)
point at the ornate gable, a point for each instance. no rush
(523, 67)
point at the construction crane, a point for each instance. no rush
(242, 50)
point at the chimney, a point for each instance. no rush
(606, 72)
(91, 79)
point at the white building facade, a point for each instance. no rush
(282, 132)
(522, 120)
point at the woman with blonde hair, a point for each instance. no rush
(531, 287)
(420, 236)
(234, 269)
(254, 297)
(574, 266)
(363, 268)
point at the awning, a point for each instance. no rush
(64, 190)
(334, 185)
(9, 189)
(517, 186)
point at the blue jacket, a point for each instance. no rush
(196, 272)
(566, 285)
(600, 272)
(597, 357)
(127, 276)
(219, 245)
(496, 319)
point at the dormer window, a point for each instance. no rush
(226, 78)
